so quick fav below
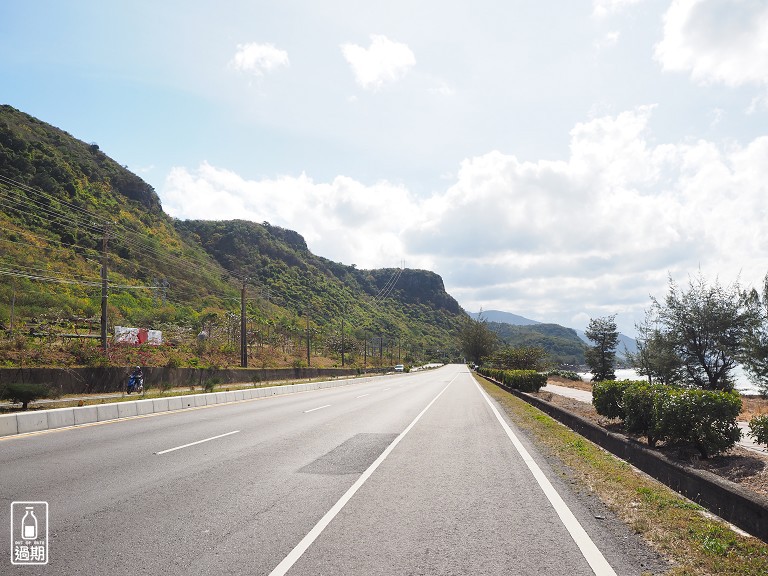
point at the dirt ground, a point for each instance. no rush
(744, 467)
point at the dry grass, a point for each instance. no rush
(579, 384)
(694, 543)
(752, 406)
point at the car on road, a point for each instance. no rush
(399, 368)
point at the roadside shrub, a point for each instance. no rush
(210, 384)
(705, 419)
(758, 429)
(567, 374)
(526, 380)
(523, 380)
(607, 398)
(640, 415)
(20, 393)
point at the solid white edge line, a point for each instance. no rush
(198, 442)
(318, 408)
(306, 542)
(591, 553)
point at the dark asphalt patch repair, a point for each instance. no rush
(352, 457)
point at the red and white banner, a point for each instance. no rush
(126, 335)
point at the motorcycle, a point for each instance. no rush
(135, 384)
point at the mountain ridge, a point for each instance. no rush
(626, 343)
(65, 201)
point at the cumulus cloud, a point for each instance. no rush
(343, 219)
(602, 230)
(716, 41)
(593, 234)
(383, 62)
(258, 59)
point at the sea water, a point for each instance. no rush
(743, 384)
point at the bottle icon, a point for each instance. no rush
(29, 524)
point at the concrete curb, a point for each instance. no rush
(39, 420)
(742, 508)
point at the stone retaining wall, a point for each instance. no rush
(110, 379)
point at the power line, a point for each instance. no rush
(73, 207)
(20, 274)
(190, 266)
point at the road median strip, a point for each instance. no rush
(42, 420)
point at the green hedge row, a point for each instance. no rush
(523, 380)
(704, 419)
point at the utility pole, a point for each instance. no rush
(243, 331)
(104, 288)
(13, 305)
(308, 346)
(342, 339)
(365, 357)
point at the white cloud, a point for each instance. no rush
(443, 89)
(344, 219)
(258, 59)
(716, 41)
(609, 40)
(593, 234)
(598, 233)
(602, 8)
(758, 103)
(383, 62)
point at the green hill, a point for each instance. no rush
(562, 344)
(63, 200)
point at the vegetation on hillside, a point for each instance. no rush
(67, 207)
(562, 345)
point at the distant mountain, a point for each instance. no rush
(503, 318)
(561, 342)
(625, 343)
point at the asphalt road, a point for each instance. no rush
(405, 474)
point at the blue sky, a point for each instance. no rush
(558, 160)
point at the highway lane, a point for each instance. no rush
(244, 483)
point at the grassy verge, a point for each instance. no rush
(676, 527)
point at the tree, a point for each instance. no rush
(23, 394)
(476, 339)
(520, 358)
(754, 357)
(602, 356)
(655, 356)
(707, 327)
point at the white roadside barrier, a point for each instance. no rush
(39, 420)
